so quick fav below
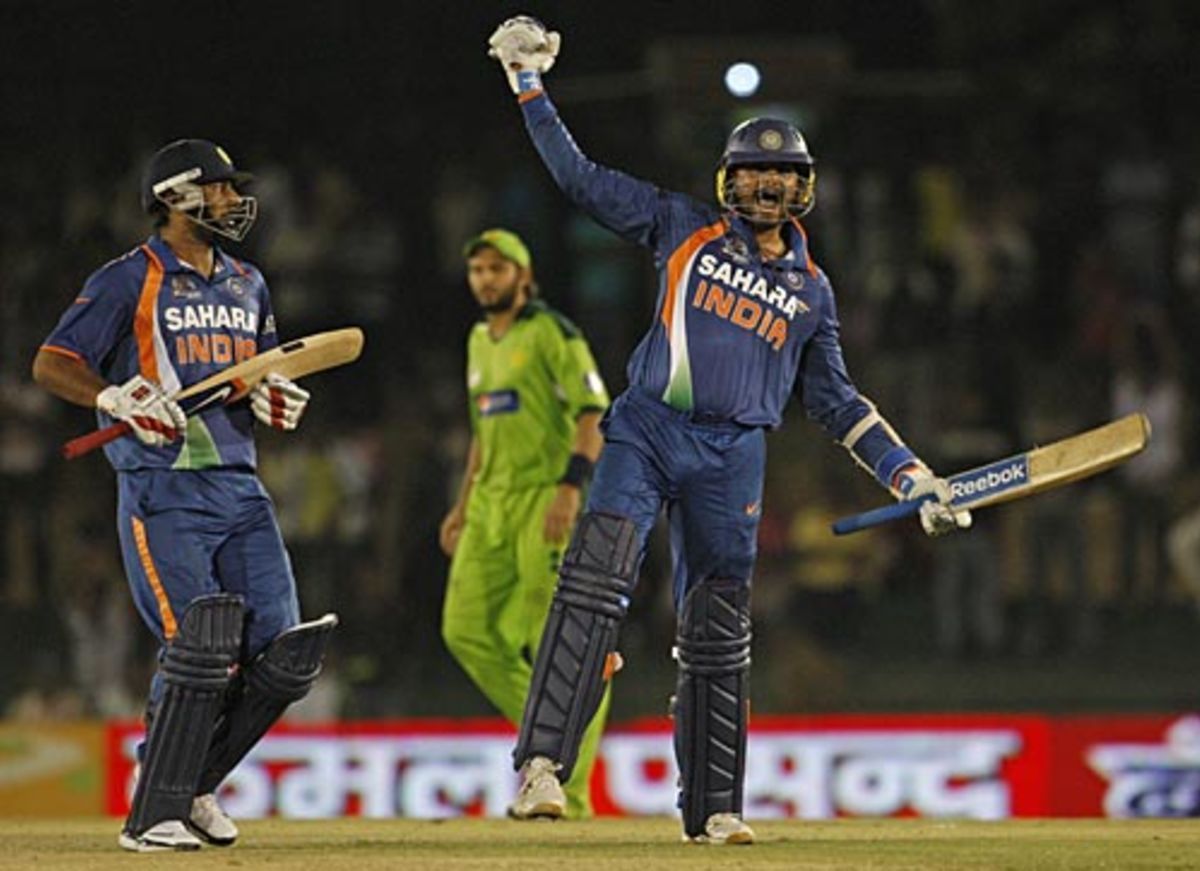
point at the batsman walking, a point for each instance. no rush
(535, 402)
(744, 316)
(203, 555)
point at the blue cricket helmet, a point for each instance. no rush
(174, 177)
(767, 142)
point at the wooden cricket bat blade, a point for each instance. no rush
(1053, 465)
(293, 360)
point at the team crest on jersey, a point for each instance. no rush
(184, 287)
(237, 286)
(794, 279)
(497, 402)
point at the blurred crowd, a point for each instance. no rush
(1009, 272)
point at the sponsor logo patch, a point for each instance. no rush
(183, 287)
(735, 249)
(497, 402)
(988, 480)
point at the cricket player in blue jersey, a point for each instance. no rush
(202, 551)
(744, 318)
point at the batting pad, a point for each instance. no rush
(712, 700)
(195, 671)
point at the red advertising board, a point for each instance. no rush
(976, 766)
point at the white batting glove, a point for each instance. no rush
(937, 515)
(154, 418)
(279, 402)
(526, 50)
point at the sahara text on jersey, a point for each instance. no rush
(730, 300)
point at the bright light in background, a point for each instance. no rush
(742, 79)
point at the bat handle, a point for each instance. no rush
(85, 444)
(877, 516)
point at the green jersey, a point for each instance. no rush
(526, 390)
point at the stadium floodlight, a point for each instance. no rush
(742, 79)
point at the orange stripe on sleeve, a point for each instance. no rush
(526, 96)
(164, 604)
(64, 352)
(679, 260)
(147, 312)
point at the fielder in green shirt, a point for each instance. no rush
(536, 399)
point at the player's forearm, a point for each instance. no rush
(67, 377)
(585, 450)
(876, 446)
(588, 439)
(468, 481)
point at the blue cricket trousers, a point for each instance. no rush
(708, 475)
(192, 533)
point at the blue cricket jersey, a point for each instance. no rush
(733, 335)
(149, 313)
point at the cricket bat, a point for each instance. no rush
(1052, 465)
(293, 360)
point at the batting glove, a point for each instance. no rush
(526, 50)
(938, 516)
(154, 418)
(279, 402)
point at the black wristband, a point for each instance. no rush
(579, 469)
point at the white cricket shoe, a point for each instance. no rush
(723, 829)
(541, 796)
(210, 822)
(160, 837)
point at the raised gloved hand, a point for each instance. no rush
(279, 402)
(154, 418)
(937, 515)
(526, 50)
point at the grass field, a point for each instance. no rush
(623, 844)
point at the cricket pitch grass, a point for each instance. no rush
(638, 845)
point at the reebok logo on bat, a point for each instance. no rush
(989, 479)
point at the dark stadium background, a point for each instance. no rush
(1007, 204)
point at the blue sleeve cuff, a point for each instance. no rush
(892, 462)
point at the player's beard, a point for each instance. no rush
(202, 234)
(502, 303)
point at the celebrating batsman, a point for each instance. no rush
(202, 551)
(536, 400)
(743, 317)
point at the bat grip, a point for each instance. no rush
(85, 444)
(878, 516)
